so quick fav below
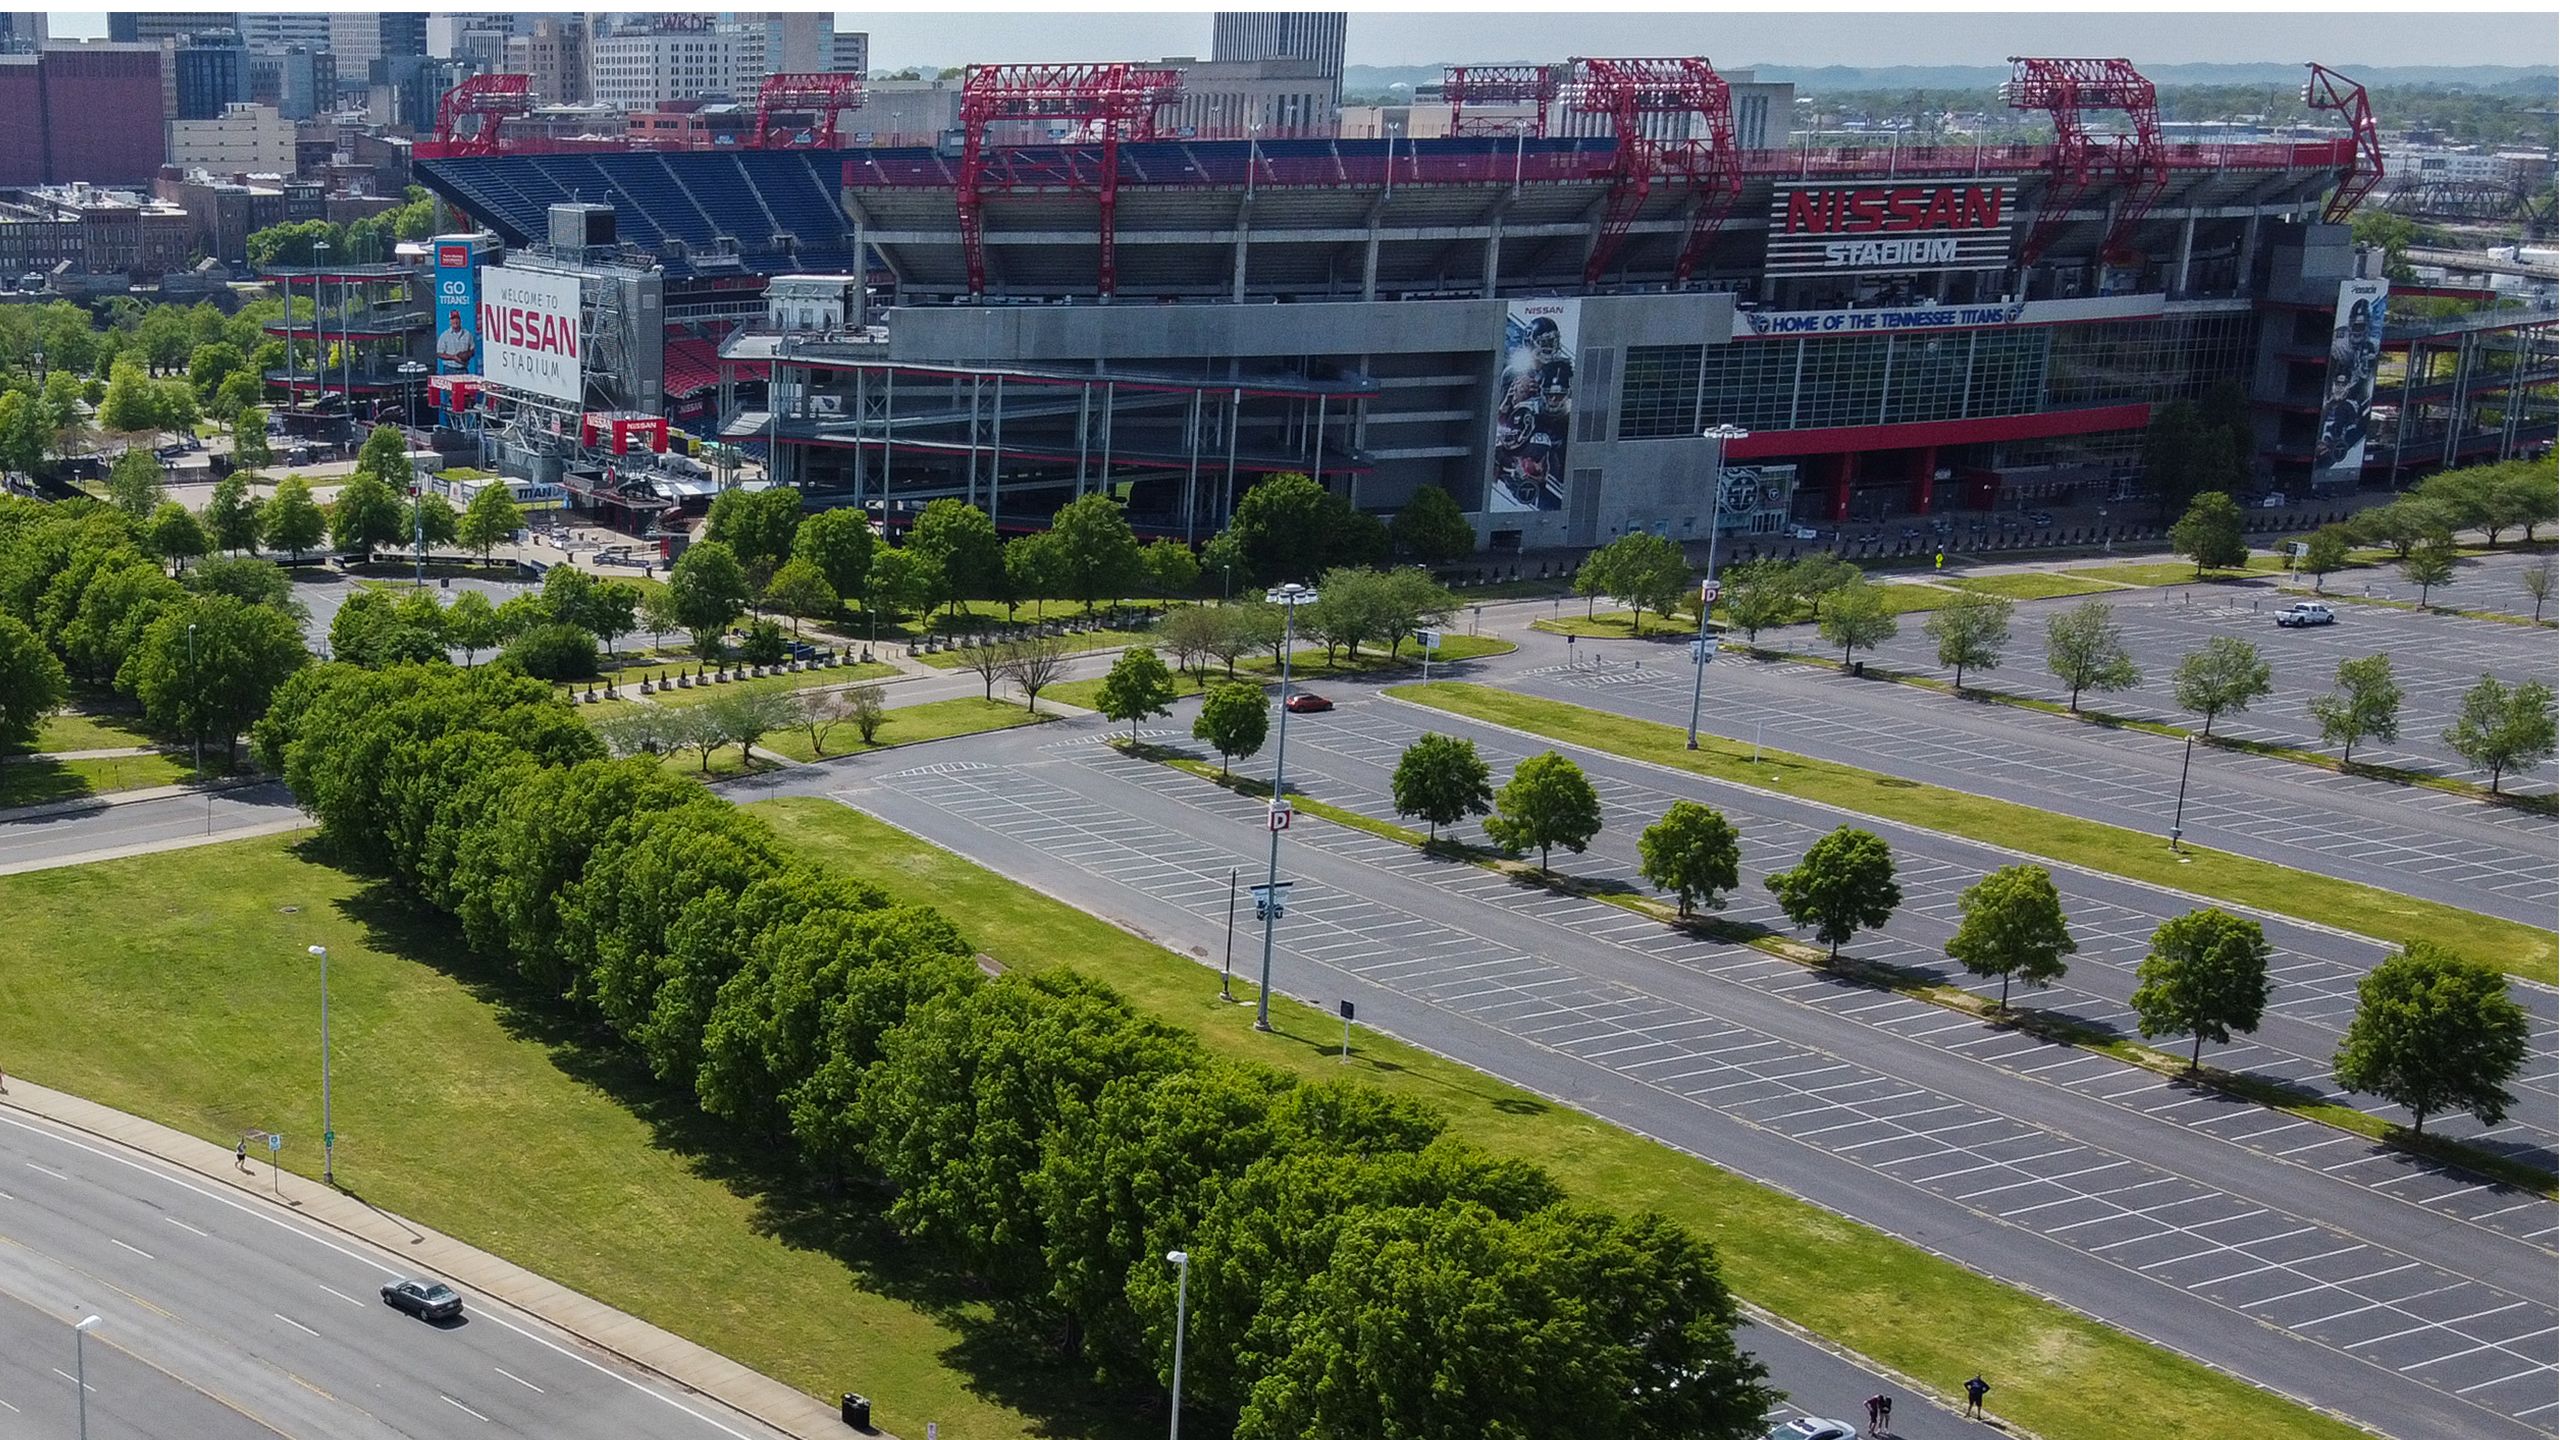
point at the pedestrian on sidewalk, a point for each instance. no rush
(240, 1154)
(1974, 1390)
(4, 1081)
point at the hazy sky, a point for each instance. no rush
(1403, 37)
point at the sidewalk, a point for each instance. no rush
(680, 1361)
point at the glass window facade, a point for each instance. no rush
(1660, 397)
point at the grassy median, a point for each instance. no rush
(2518, 949)
(1921, 1314)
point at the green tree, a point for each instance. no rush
(2084, 648)
(1971, 631)
(1138, 688)
(2012, 927)
(134, 484)
(1645, 571)
(962, 540)
(1034, 570)
(2210, 533)
(2392, 235)
(1758, 595)
(211, 365)
(1857, 619)
(2434, 1032)
(1098, 556)
(613, 611)
(1547, 802)
(490, 520)
(123, 595)
(1693, 851)
(1410, 601)
(233, 514)
(471, 624)
(2402, 524)
(1234, 719)
(26, 431)
(2464, 498)
(2206, 976)
(2221, 679)
(238, 394)
(242, 653)
(366, 515)
(552, 651)
(2428, 565)
(2532, 496)
(32, 685)
(897, 581)
(2364, 706)
(176, 534)
(1817, 577)
(1596, 576)
(1171, 568)
(1430, 529)
(246, 579)
(757, 526)
(131, 406)
(710, 589)
(1442, 779)
(291, 520)
(2324, 553)
(431, 519)
(1033, 665)
(1843, 884)
(800, 590)
(745, 716)
(249, 447)
(2501, 728)
(839, 542)
(1288, 527)
(2536, 581)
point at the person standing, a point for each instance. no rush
(1879, 1411)
(1974, 1390)
(240, 1155)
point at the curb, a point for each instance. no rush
(113, 798)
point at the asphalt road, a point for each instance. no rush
(220, 1318)
(2426, 1314)
(36, 842)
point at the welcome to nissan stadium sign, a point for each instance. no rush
(1856, 229)
(529, 332)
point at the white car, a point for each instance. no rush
(1807, 1427)
(2305, 612)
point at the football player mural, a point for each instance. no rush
(2355, 348)
(1534, 406)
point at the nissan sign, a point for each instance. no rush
(1849, 229)
(530, 335)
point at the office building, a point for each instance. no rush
(677, 57)
(209, 72)
(1244, 36)
(89, 112)
(1276, 99)
(279, 31)
(358, 38)
(554, 52)
(299, 81)
(245, 139)
(150, 27)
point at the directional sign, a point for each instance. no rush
(1710, 590)
(1278, 816)
(274, 1143)
(1428, 639)
(1347, 1011)
(1702, 651)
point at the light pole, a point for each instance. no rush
(1288, 597)
(2178, 822)
(410, 371)
(1227, 971)
(1519, 149)
(1181, 1302)
(319, 334)
(1723, 436)
(195, 698)
(328, 1132)
(80, 1364)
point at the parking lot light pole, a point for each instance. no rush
(1722, 436)
(1181, 1303)
(1288, 597)
(328, 1132)
(80, 1364)
(2178, 822)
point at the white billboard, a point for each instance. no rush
(530, 336)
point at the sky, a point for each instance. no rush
(1765, 36)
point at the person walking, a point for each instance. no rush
(240, 1154)
(1879, 1414)
(1974, 1390)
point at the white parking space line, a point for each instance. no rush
(465, 1409)
(296, 1324)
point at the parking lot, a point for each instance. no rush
(2061, 1170)
(2481, 582)
(2427, 843)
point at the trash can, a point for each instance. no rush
(857, 1411)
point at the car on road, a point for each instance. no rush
(2040, 518)
(2305, 612)
(426, 1299)
(1307, 702)
(1807, 1427)
(1804, 532)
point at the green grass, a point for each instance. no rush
(39, 780)
(1615, 625)
(2175, 572)
(796, 680)
(2520, 950)
(1076, 645)
(83, 730)
(1923, 1315)
(911, 725)
(2028, 585)
(1305, 665)
(1913, 597)
(464, 1101)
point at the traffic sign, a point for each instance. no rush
(274, 1143)
(1347, 1011)
(1710, 590)
(1277, 818)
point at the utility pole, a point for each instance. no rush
(1288, 597)
(1722, 436)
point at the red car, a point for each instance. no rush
(1307, 702)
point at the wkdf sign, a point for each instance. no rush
(1850, 229)
(530, 335)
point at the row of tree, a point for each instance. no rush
(1353, 1269)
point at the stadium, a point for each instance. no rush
(1062, 298)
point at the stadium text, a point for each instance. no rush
(1894, 209)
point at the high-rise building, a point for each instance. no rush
(852, 53)
(677, 57)
(242, 140)
(554, 53)
(278, 31)
(22, 30)
(446, 28)
(358, 38)
(1248, 35)
(300, 81)
(210, 72)
(81, 113)
(150, 27)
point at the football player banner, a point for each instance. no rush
(2346, 408)
(1533, 406)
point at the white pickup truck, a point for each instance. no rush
(2305, 612)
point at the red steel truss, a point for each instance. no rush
(1658, 109)
(1109, 103)
(820, 97)
(2329, 90)
(494, 99)
(2137, 162)
(1464, 85)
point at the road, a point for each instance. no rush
(2426, 1314)
(96, 831)
(221, 1317)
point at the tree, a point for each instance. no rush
(1596, 576)
(1033, 665)
(839, 542)
(2206, 976)
(709, 587)
(134, 484)
(658, 615)
(176, 534)
(26, 431)
(2364, 706)
(963, 540)
(2536, 580)
(1646, 572)
(2210, 533)
(762, 643)
(1034, 570)
(1287, 527)
(817, 712)
(1693, 851)
(1857, 619)
(1409, 600)
(1442, 779)
(1098, 556)
(1430, 529)
(431, 520)
(866, 706)
(553, 651)
(2434, 1032)
(246, 579)
(1171, 568)
(1138, 688)
(32, 685)
(743, 716)
(2324, 553)
(1821, 575)
(1350, 608)
(2502, 728)
(1190, 632)
(2533, 494)
(241, 654)
(249, 447)
(490, 520)
(1234, 719)
(1758, 595)
(757, 526)
(237, 396)
(471, 624)
(899, 580)
(2428, 565)
(567, 595)
(800, 590)
(1843, 884)
(131, 406)
(2084, 648)
(1971, 631)
(2403, 523)
(1547, 802)
(291, 520)
(232, 514)
(367, 514)
(2222, 678)
(2012, 927)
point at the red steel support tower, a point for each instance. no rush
(494, 99)
(2329, 90)
(1109, 103)
(2136, 162)
(1464, 85)
(1658, 109)
(820, 97)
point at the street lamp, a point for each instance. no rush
(80, 1364)
(1519, 149)
(410, 371)
(1723, 436)
(328, 1132)
(319, 335)
(1181, 1301)
(195, 696)
(1288, 597)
